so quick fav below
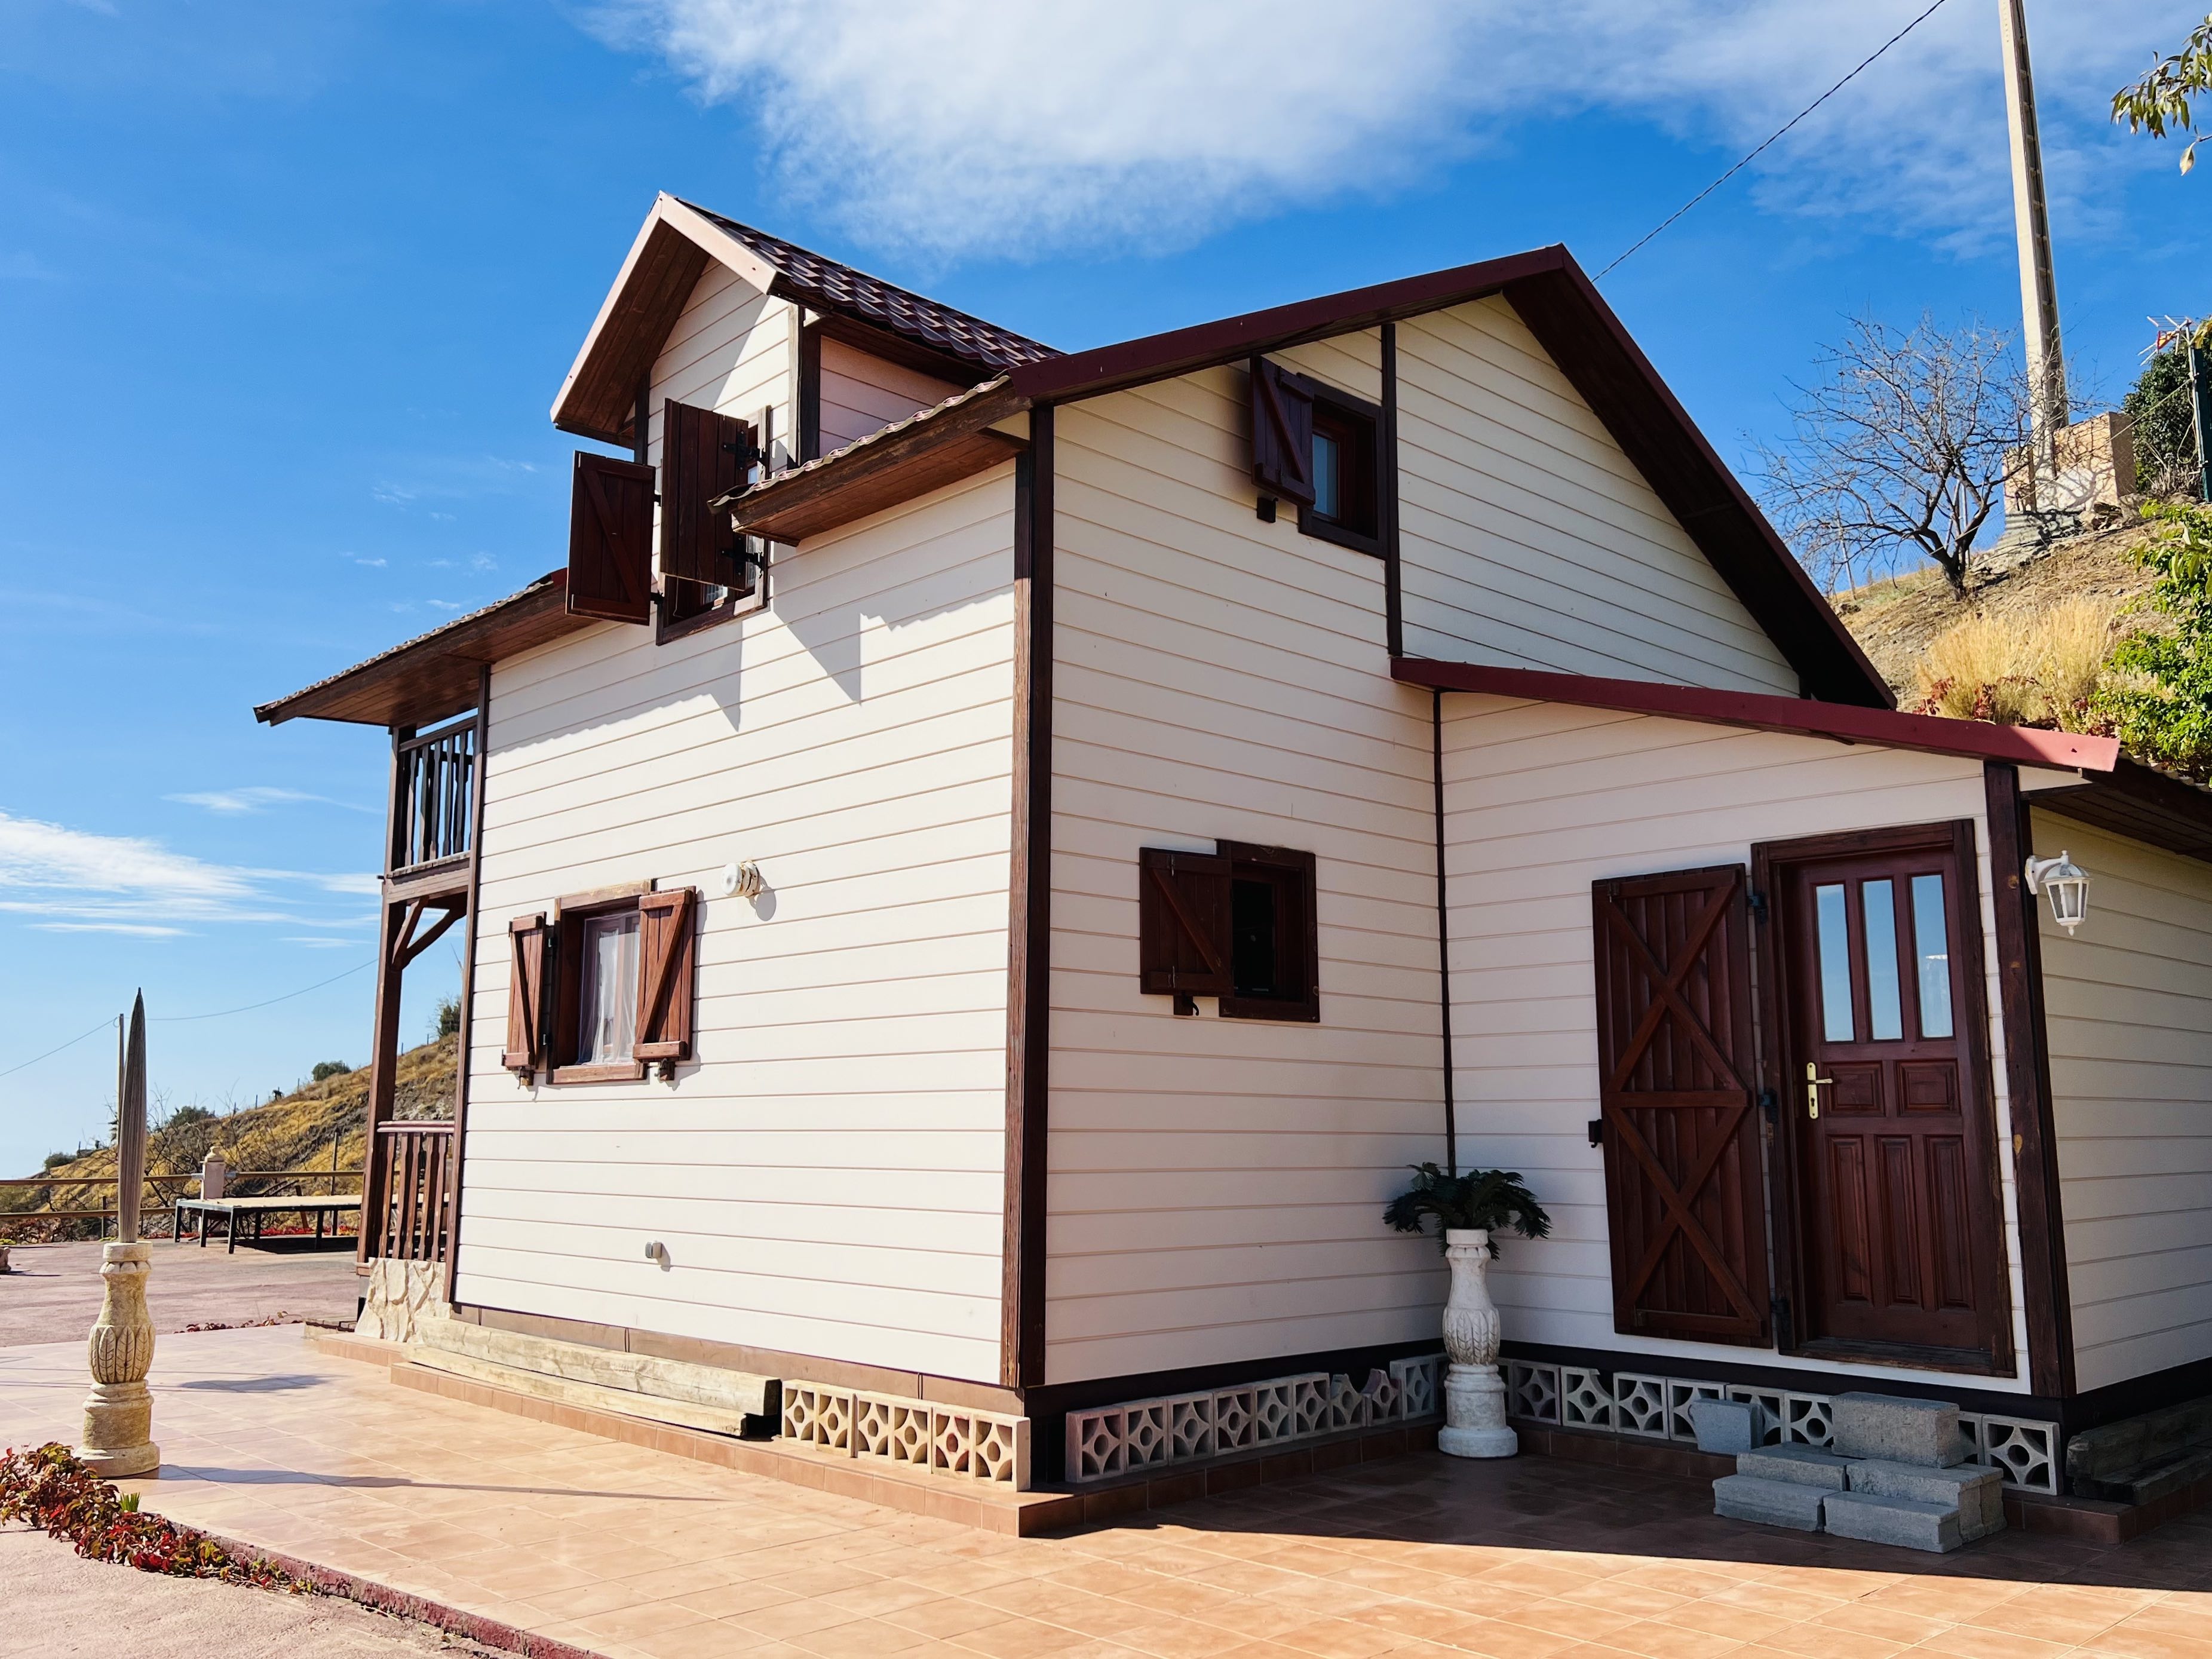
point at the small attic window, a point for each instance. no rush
(1347, 459)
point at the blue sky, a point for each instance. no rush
(286, 291)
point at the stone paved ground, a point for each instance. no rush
(638, 1555)
(59, 1607)
(53, 1294)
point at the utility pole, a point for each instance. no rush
(2038, 286)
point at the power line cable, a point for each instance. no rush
(178, 1019)
(224, 1013)
(1777, 133)
(104, 1025)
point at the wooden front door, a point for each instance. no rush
(1885, 1087)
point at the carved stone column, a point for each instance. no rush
(118, 1413)
(1474, 1395)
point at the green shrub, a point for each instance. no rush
(326, 1069)
(1490, 1199)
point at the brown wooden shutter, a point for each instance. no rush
(702, 455)
(1282, 433)
(610, 539)
(1676, 1086)
(1182, 923)
(525, 993)
(666, 955)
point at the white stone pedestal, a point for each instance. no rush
(1474, 1395)
(118, 1413)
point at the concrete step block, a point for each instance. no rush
(1977, 1493)
(1903, 1522)
(1896, 1429)
(1801, 1466)
(1770, 1502)
(1727, 1426)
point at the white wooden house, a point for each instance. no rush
(977, 899)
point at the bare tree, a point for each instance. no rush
(1899, 451)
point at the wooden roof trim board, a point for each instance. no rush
(1593, 349)
(435, 674)
(2115, 793)
(936, 447)
(671, 251)
(1764, 711)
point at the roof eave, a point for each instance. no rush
(1849, 723)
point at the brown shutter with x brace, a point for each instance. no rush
(1182, 923)
(1282, 433)
(666, 952)
(610, 539)
(1677, 1089)
(526, 994)
(702, 455)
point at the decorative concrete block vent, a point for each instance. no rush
(1897, 1476)
(1138, 1435)
(919, 1433)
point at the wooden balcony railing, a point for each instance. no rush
(434, 776)
(412, 1192)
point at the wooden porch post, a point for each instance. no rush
(2027, 1084)
(384, 1050)
(458, 1151)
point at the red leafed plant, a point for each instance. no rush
(50, 1489)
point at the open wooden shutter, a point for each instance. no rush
(610, 539)
(666, 955)
(702, 455)
(525, 993)
(1282, 433)
(1676, 1086)
(1182, 923)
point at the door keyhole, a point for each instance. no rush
(1813, 1082)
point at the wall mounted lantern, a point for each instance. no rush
(2066, 885)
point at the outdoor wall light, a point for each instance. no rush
(741, 880)
(2066, 885)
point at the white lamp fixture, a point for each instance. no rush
(741, 880)
(2066, 885)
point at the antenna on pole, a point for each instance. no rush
(2038, 285)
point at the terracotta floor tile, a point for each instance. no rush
(1972, 1642)
(2133, 1639)
(1650, 1638)
(1338, 1638)
(948, 1616)
(1717, 1619)
(1821, 1641)
(861, 1639)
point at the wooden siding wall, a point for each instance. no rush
(1528, 539)
(2128, 1004)
(861, 393)
(1216, 1185)
(730, 350)
(1539, 801)
(827, 1173)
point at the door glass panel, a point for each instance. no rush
(1879, 901)
(1931, 947)
(1834, 927)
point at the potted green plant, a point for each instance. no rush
(1469, 1211)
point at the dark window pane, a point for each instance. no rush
(1327, 477)
(1254, 923)
(1931, 944)
(1884, 1010)
(1834, 921)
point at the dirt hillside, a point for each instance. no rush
(298, 1131)
(1894, 621)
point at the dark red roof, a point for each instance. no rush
(826, 285)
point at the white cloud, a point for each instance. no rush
(964, 126)
(255, 798)
(75, 881)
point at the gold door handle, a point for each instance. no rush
(1813, 1082)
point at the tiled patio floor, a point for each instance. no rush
(629, 1551)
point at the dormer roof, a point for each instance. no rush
(674, 248)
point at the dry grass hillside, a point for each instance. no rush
(2074, 587)
(300, 1131)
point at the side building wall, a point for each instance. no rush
(826, 1173)
(2128, 1007)
(1542, 800)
